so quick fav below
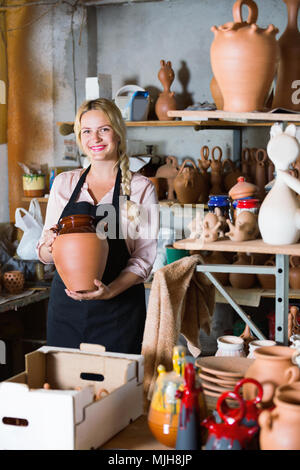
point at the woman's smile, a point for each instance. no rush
(98, 139)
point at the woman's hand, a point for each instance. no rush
(102, 292)
(49, 238)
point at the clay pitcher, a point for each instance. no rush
(166, 100)
(231, 175)
(261, 172)
(279, 428)
(267, 281)
(294, 273)
(246, 164)
(79, 255)
(204, 164)
(244, 59)
(169, 171)
(242, 281)
(216, 93)
(286, 95)
(216, 177)
(216, 257)
(272, 367)
(188, 183)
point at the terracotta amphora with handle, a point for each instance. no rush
(188, 183)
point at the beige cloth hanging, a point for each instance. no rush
(181, 301)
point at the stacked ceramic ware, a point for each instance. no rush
(220, 374)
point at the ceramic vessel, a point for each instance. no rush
(244, 59)
(242, 189)
(259, 343)
(245, 227)
(161, 187)
(267, 281)
(294, 273)
(272, 367)
(216, 257)
(78, 223)
(34, 185)
(278, 218)
(242, 281)
(289, 65)
(165, 406)
(216, 93)
(166, 100)
(13, 281)
(169, 171)
(79, 259)
(216, 176)
(229, 345)
(261, 172)
(279, 428)
(188, 183)
(231, 175)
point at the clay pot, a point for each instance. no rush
(216, 93)
(289, 65)
(242, 281)
(79, 259)
(160, 185)
(272, 367)
(188, 183)
(216, 177)
(169, 171)
(216, 257)
(244, 60)
(279, 428)
(261, 172)
(246, 164)
(294, 273)
(78, 223)
(245, 228)
(231, 175)
(13, 281)
(267, 281)
(242, 189)
(166, 100)
(204, 164)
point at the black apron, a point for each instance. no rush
(117, 323)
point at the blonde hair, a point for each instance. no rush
(117, 123)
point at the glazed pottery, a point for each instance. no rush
(216, 93)
(231, 433)
(238, 280)
(80, 258)
(294, 273)
(165, 406)
(279, 428)
(259, 343)
(289, 65)
(188, 183)
(169, 171)
(278, 218)
(166, 100)
(13, 281)
(244, 59)
(34, 185)
(78, 223)
(272, 367)
(229, 345)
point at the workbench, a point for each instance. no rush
(280, 271)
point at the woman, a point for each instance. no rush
(112, 315)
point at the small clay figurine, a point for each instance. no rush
(245, 228)
(211, 227)
(166, 100)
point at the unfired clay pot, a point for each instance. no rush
(244, 60)
(272, 367)
(242, 281)
(279, 428)
(169, 171)
(188, 183)
(289, 65)
(79, 259)
(166, 100)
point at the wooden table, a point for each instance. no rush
(280, 271)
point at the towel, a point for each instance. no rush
(182, 301)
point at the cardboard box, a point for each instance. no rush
(64, 417)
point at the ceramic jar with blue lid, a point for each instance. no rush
(222, 201)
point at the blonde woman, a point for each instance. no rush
(114, 313)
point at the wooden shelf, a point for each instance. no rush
(40, 199)
(251, 246)
(239, 118)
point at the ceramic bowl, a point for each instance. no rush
(224, 366)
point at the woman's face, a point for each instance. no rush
(98, 139)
